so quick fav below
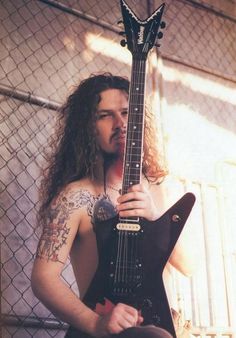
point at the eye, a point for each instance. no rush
(125, 112)
(103, 115)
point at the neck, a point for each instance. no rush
(113, 169)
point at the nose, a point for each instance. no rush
(119, 122)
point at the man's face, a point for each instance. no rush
(111, 122)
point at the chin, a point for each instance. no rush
(112, 156)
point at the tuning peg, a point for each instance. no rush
(160, 35)
(123, 43)
(163, 24)
(122, 33)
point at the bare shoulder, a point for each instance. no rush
(75, 196)
(64, 218)
(158, 194)
(156, 188)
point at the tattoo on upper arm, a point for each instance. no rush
(56, 229)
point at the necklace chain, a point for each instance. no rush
(113, 188)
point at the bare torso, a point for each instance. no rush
(83, 254)
(69, 230)
(93, 204)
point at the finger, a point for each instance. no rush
(132, 311)
(131, 205)
(135, 187)
(140, 320)
(130, 196)
(128, 311)
(133, 212)
(128, 321)
(125, 308)
(138, 187)
(122, 321)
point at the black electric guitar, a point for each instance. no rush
(133, 251)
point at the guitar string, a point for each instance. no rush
(140, 83)
(127, 160)
(117, 266)
(139, 103)
(125, 262)
(122, 265)
(134, 119)
(125, 272)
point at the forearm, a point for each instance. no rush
(64, 303)
(183, 258)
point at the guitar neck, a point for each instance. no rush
(134, 141)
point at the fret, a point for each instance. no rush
(133, 122)
(136, 131)
(132, 178)
(130, 166)
(137, 91)
(132, 158)
(128, 185)
(134, 167)
(133, 152)
(135, 134)
(134, 139)
(134, 143)
(136, 112)
(132, 171)
(134, 149)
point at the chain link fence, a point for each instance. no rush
(47, 47)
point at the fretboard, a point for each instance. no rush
(134, 140)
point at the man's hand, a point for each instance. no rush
(137, 202)
(121, 317)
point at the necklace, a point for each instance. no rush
(109, 186)
(113, 188)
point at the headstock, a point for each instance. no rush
(141, 35)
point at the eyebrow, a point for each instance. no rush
(109, 110)
(105, 111)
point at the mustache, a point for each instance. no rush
(118, 133)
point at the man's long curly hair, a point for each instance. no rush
(73, 147)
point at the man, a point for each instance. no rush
(81, 187)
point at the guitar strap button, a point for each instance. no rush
(176, 218)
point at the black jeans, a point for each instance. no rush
(148, 331)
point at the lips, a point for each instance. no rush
(119, 137)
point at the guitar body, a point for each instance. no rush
(138, 280)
